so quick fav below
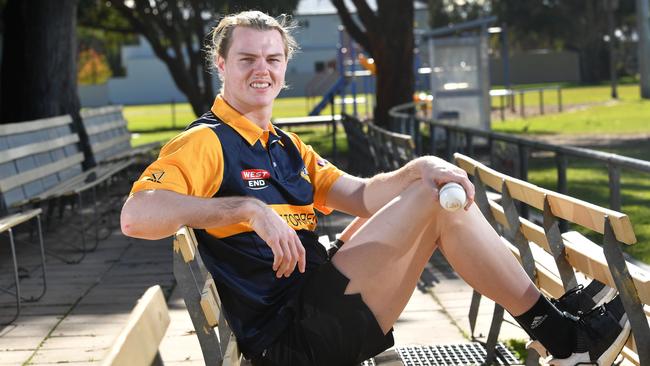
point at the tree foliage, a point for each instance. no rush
(176, 30)
(93, 68)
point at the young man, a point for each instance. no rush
(250, 190)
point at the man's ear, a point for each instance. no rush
(221, 64)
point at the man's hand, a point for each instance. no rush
(437, 172)
(282, 239)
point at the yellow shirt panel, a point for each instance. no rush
(191, 164)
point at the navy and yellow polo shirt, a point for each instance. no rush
(223, 154)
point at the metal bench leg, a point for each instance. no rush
(43, 269)
(16, 279)
(83, 222)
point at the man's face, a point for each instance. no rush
(253, 70)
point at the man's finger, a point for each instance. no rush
(302, 260)
(294, 253)
(277, 255)
(286, 260)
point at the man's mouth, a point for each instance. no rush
(260, 85)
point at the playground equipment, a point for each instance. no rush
(352, 75)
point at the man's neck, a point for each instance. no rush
(259, 116)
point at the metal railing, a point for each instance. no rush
(458, 138)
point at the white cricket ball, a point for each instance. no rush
(452, 196)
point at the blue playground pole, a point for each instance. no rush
(341, 64)
(353, 85)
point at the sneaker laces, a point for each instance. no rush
(590, 330)
(572, 291)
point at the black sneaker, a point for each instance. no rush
(600, 336)
(579, 299)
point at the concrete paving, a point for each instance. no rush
(87, 304)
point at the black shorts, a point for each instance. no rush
(328, 327)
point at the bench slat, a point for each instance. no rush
(210, 302)
(232, 356)
(184, 242)
(588, 257)
(36, 125)
(93, 130)
(10, 221)
(92, 112)
(37, 147)
(137, 344)
(592, 216)
(40, 172)
(562, 206)
(109, 143)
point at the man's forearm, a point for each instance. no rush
(159, 213)
(382, 188)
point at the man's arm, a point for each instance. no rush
(363, 197)
(156, 214)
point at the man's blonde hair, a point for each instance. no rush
(222, 34)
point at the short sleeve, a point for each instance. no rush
(190, 164)
(322, 173)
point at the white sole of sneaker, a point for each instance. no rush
(608, 357)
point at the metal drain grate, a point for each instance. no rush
(449, 355)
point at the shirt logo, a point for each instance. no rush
(156, 177)
(255, 178)
(537, 321)
(305, 174)
(322, 162)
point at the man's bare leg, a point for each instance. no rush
(386, 256)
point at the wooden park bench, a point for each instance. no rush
(109, 138)
(138, 342)
(41, 162)
(555, 260)
(7, 224)
(391, 149)
(361, 155)
(202, 301)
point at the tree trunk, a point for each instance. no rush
(388, 38)
(39, 64)
(393, 55)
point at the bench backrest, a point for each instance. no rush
(107, 132)
(361, 155)
(202, 301)
(138, 342)
(392, 149)
(35, 156)
(553, 259)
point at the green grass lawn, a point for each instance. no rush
(629, 114)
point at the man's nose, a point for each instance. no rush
(261, 66)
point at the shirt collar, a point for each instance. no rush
(245, 127)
